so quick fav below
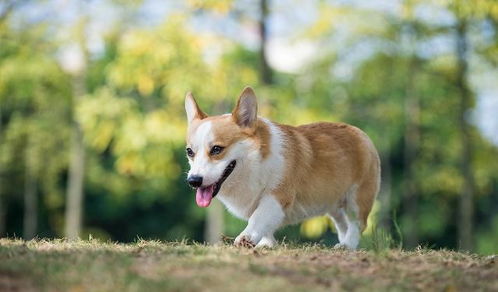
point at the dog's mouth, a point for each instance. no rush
(204, 195)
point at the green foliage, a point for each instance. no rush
(379, 240)
(35, 111)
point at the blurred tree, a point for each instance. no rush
(137, 115)
(5, 12)
(466, 13)
(2, 200)
(468, 190)
(265, 70)
(30, 219)
(408, 41)
(33, 95)
(76, 174)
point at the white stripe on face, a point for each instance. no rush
(202, 137)
(200, 141)
(201, 165)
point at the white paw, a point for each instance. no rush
(266, 242)
(344, 246)
(341, 246)
(247, 239)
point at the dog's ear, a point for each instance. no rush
(245, 114)
(192, 109)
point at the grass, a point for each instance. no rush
(59, 265)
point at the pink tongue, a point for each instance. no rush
(203, 196)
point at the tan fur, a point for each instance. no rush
(323, 160)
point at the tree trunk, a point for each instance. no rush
(386, 191)
(2, 215)
(214, 223)
(412, 141)
(30, 221)
(265, 70)
(465, 224)
(75, 180)
(74, 203)
(412, 132)
(2, 200)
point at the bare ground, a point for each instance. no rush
(154, 266)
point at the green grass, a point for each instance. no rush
(155, 266)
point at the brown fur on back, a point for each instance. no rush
(323, 161)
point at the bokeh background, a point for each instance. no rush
(92, 123)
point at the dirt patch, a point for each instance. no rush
(350, 270)
(158, 266)
(14, 283)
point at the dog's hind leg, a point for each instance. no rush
(350, 215)
(359, 203)
(341, 225)
(352, 238)
(365, 195)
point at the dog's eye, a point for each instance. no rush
(190, 152)
(216, 150)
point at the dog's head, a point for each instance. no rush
(218, 145)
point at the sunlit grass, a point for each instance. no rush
(92, 265)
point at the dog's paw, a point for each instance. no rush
(244, 240)
(344, 246)
(341, 246)
(266, 242)
(247, 239)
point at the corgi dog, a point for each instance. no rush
(271, 174)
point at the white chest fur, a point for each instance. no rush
(254, 177)
(239, 207)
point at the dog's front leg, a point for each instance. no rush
(263, 222)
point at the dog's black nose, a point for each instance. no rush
(194, 181)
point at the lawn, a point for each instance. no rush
(158, 266)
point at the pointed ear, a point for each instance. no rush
(192, 109)
(245, 114)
